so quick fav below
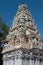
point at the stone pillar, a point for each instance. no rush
(36, 63)
(41, 63)
(18, 61)
(25, 61)
(11, 62)
(30, 61)
(33, 62)
(14, 61)
(4, 62)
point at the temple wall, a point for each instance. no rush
(20, 61)
(21, 57)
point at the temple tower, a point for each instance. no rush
(23, 45)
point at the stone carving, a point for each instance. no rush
(23, 29)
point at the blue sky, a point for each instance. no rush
(8, 8)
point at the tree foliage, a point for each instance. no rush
(3, 30)
(3, 33)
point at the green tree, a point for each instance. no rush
(3, 30)
(3, 33)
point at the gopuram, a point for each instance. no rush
(23, 44)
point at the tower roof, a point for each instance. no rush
(24, 30)
(23, 21)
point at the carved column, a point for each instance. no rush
(4, 62)
(41, 63)
(26, 61)
(18, 61)
(33, 62)
(14, 61)
(11, 61)
(30, 61)
(36, 62)
(7, 62)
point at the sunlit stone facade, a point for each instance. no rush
(23, 45)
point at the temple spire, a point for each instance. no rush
(24, 30)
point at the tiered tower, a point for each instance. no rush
(23, 44)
